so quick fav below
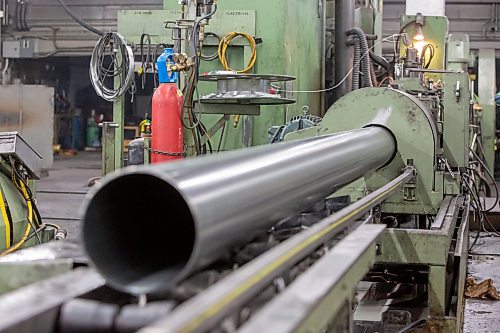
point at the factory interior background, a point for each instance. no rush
(249, 166)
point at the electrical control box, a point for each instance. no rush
(21, 48)
(12, 145)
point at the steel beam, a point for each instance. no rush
(314, 299)
(34, 308)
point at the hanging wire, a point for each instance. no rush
(79, 20)
(387, 39)
(113, 80)
(146, 60)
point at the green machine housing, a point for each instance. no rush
(430, 113)
(292, 34)
(16, 154)
(432, 135)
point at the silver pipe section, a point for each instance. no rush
(258, 274)
(344, 54)
(147, 228)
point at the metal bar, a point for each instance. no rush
(310, 303)
(147, 154)
(17, 274)
(248, 121)
(108, 144)
(437, 71)
(46, 252)
(463, 233)
(344, 55)
(449, 203)
(216, 203)
(247, 131)
(204, 311)
(44, 298)
(211, 132)
(61, 192)
(61, 218)
(461, 254)
(119, 121)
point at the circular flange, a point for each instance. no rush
(414, 127)
(235, 76)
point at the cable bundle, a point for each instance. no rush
(20, 19)
(113, 80)
(223, 45)
(35, 226)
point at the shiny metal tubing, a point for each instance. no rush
(202, 312)
(147, 228)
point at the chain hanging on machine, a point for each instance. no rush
(164, 153)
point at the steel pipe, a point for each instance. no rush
(147, 228)
(191, 316)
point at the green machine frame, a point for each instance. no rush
(20, 167)
(442, 247)
(292, 33)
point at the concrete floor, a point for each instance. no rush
(61, 194)
(484, 263)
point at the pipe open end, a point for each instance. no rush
(139, 233)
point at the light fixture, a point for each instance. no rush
(419, 36)
(419, 21)
(419, 45)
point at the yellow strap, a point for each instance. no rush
(5, 217)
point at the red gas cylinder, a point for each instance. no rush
(167, 139)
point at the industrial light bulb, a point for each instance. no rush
(419, 45)
(419, 36)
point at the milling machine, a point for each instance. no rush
(356, 222)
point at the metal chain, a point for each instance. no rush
(164, 153)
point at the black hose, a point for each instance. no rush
(215, 55)
(380, 60)
(24, 11)
(196, 35)
(221, 138)
(17, 16)
(365, 59)
(80, 21)
(355, 70)
(145, 60)
(424, 53)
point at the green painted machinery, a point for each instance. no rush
(432, 134)
(430, 112)
(20, 166)
(292, 43)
